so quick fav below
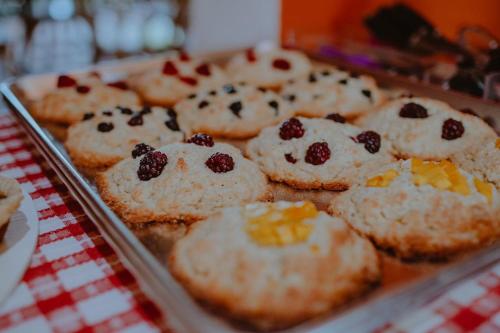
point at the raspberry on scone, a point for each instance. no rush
(181, 182)
(317, 153)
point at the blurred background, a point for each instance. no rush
(451, 44)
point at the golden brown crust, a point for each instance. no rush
(314, 185)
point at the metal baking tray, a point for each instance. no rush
(405, 286)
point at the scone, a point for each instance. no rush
(268, 69)
(327, 89)
(317, 153)
(274, 265)
(422, 209)
(106, 137)
(178, 77)
(233, 111)
(73, 98)
(428, 129)
(181, 182)
(11, 196)
(483, 162)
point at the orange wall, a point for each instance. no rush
(344, 17)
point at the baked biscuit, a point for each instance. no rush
(73, 98)
(428, 129)
(317, 153)
(234, 111)
(178, 77)
(483, 162)
(274, 265)
(327, 89)
(11, 196)
(268, 69)
(421, 209)
(106, 137)
(181, 182)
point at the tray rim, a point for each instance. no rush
(156, 281)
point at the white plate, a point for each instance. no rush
(17, 246)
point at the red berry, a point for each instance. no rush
(336, 118)
(64, 81)
(292, 128)
(141, 149)
(318, 153)
(201, 140)
(413, 110)
(282, 64)
(220, 163)
(83, 89)
(151, 165)
(119, 85)
(188, 80)
(203, 69)
(371, 140)
(290, 159)
(452, 129)
(183, 56)
(169, 68)
(250, 54)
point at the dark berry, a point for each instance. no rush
(151, 165)
(212, 92)
(242, 83)
(250, 55)
(370, 139)
(169, 68)
(203, 69)
(136, 120)
(290, 159)
(325, 73)
(107, 113)
(141, 149)
(65, 81)
(145, 110)
(201, 140)
(290, 97)
(336, 118)
(318, 153)
(343, 81)
(173, 125)
(261, 89)
(236, 108)
(83, 89)
(312, 78)
(229, 89)
(469, 111)
(413, 110)
(171, 112)
(203, 104)
(367, 93)
(183, 56)
(292, 128)
(188, 80)
(119, 85)
(105, 127)
(281, 64)
(88, 115)
(220, 163)
(452, 129)
(192, 96)
(125, 110)
(275, 106)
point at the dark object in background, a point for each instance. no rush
(468, 81)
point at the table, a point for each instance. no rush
(75, 282)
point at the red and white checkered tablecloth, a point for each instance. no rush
(75, 282)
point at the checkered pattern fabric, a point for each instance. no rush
(75, 282)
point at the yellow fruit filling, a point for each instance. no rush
(382, 180)
(442, 175)
(485, 188)
(280, 223)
